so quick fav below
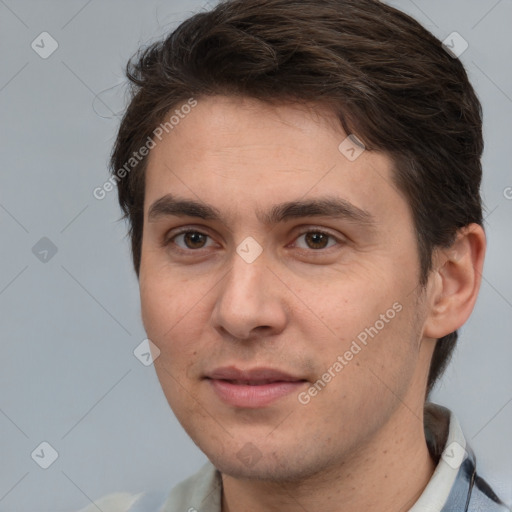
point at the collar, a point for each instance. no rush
(450, 486)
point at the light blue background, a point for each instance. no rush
(69, 326)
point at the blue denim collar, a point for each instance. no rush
(447, 445)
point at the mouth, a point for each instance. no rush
(252, 388)
(252, 382)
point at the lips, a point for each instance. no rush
(252, 375)
(252, 382)
(252, 388)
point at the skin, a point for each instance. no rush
(359, 443)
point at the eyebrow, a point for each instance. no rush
(329, 206)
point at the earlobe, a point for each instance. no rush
(456, 282)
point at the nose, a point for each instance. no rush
(250, 301)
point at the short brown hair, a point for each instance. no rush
(388, 80)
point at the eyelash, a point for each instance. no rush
(169, 240)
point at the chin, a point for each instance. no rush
(251, 463)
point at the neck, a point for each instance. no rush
(388, 474)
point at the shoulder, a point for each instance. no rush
(118, 502)
(124, 502)
(201, 491)
(484, 498)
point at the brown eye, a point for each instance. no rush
(194, 239)
(317, 240)
(189, 240)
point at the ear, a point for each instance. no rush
(455, 281)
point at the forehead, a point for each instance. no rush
(242, 152)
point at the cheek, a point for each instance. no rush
(153, 302)
(370, 323)
(366, 379)
(351, 305)
(173, 320)
(170, 328)
(159, 311)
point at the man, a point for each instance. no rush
(302, 183)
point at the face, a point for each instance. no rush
(288, 333)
